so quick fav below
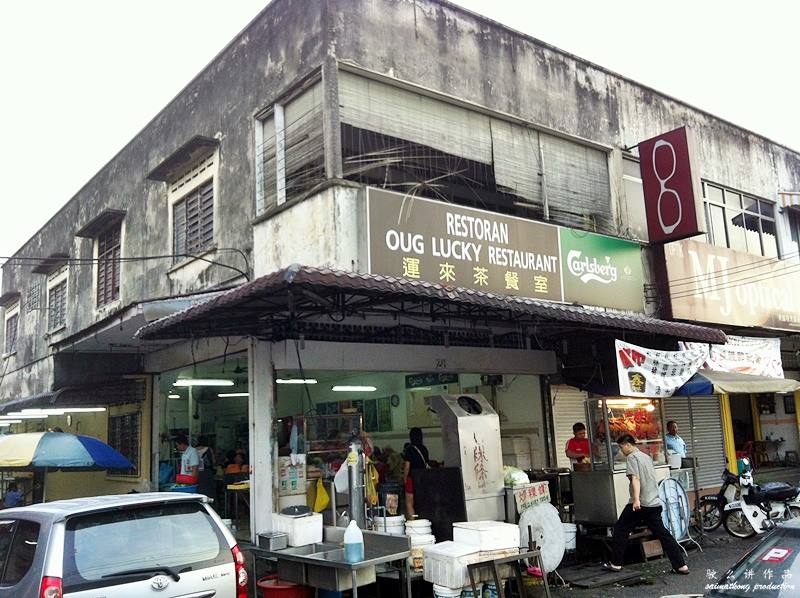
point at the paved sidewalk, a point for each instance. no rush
(721, 551)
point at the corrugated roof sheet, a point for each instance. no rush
(393, 289)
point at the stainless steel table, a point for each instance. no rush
(378, 549)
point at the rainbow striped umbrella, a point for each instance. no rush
(51, 451)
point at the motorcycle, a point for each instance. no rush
(760, 507)
(712, 506)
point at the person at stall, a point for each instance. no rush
(644, 508)
(415, 456)
(13, 497)
(236, 463)
(577, 447)
(190, 460)
(674, 442)
(207, 463)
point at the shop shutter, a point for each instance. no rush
(516, 161)
(577, 184)
(568, 407)
(396, 112)
(707, 434)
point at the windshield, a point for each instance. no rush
(178, 535)
(771, 570)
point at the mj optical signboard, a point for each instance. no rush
(423, 239)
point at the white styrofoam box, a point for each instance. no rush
(486, 535)
(516, 444)
(301, 530)
(446, 563)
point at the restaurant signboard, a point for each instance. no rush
(422, 239)
(717, 284)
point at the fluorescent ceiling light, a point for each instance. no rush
(295, 381)
(354, 388)
(19, 415)
(8, 422)
(224, 395)
(202, 382)
(37, 412)
(84, 409)
(172, 395)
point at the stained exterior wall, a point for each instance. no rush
(428, 43)
(447, 49)
(286, 42)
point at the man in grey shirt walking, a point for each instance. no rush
(644, 508)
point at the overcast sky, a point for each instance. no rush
(81, 78)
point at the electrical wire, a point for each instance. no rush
(35, 261)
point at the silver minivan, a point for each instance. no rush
(164, 545)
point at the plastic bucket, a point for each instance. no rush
(467, 591)
(272, 587)
(570, 535)
(444, 592)
(395, 525)
(418, 543)
(418, 527)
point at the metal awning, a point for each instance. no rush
(119, 392)
(708, 382)
(271, 307)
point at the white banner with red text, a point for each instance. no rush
(744, 355)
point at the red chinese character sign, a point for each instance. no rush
(672, 194)
(648, 373)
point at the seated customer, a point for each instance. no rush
(236, 468)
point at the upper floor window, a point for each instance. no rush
(739, 221)
(192, 203)
(57, 299)
(109, 246)
(12, 328)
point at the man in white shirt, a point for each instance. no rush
(190, 459)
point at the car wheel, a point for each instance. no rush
(710, 515)
(737, 524)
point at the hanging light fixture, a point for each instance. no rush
(187, 382)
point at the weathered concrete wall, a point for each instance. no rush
(325, 230)
(429, 43)
(285, 42)
(449, 50)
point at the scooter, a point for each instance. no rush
(712, 506)
(760, 507)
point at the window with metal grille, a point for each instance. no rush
(123, 435)
(11, 333)
(193, 221)
(34, 298)
(740, 221)
(108, 265)
(57, 306)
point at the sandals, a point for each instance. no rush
(609, 567)
(679, 572)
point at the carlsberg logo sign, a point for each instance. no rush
(589, 269)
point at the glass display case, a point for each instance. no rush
(601, 494)
(609, 418)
